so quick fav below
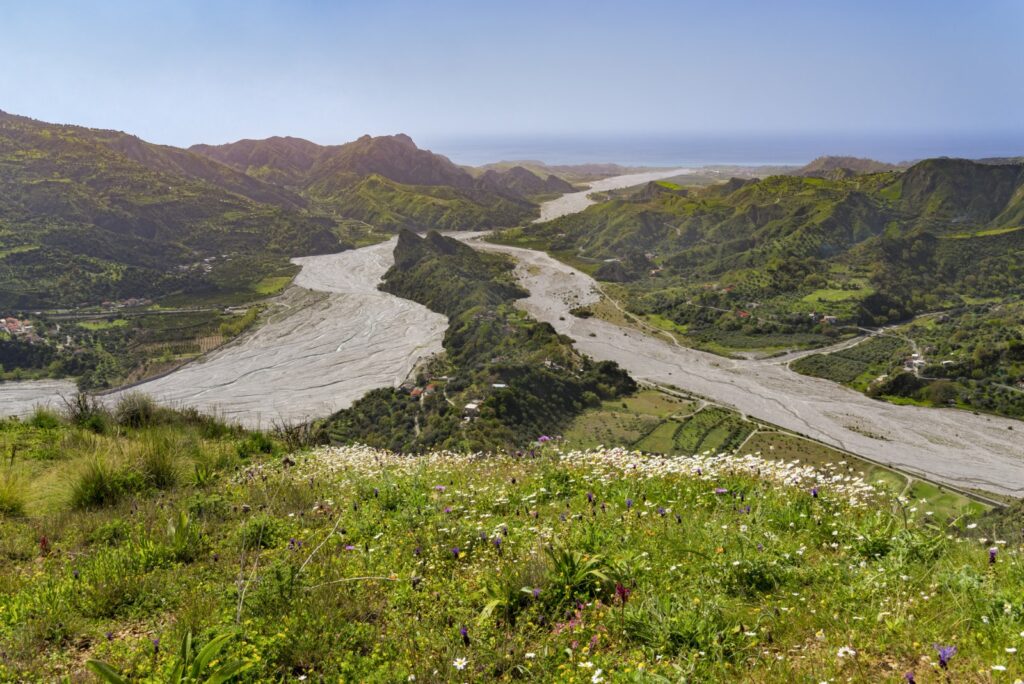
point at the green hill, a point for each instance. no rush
(504, 378)
(386, 181)
(89, 215)
(148, 542)
(789, 262)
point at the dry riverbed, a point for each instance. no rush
(332, 337)
(972, 451)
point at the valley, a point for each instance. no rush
(333, 336)
(958, 447)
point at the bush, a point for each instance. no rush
(259, 532)
(255, 443)
(135, 410)
(44, 419)
(85, 412)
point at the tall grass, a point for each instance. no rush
(135, 410)
(103, 483)
(12, 494)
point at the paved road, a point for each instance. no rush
(945, 444)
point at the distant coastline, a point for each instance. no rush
(710, 150)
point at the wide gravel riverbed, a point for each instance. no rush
(974, 451)
(334, 336)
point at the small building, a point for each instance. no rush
(471, 409)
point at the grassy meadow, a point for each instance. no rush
(142, 543)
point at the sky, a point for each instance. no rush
(213, 71)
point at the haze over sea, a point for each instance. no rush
(743, 150)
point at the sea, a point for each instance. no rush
(713, 150)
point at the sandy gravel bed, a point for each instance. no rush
(332, 338)
(949, 445)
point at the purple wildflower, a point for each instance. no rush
(945, 653)
(536, 592)
(439, 488)
(721, 490)
(465, 635)
(543, 438)
(455, 551)
(814, 492)
(661, 511)
(629, 504)
(349, 547)
(497, 542)
(909, 678)
(156, 645)
(447, 509)
(590, 498)
(622, 592)
(110, 636)
(992, 555)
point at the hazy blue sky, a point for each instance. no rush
(205, 71)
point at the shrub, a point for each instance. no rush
(44, 419)
(255, 443)
(135, 410)
(85, 412)
(110, 533)
(259, 532)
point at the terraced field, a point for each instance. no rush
(710, 429)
